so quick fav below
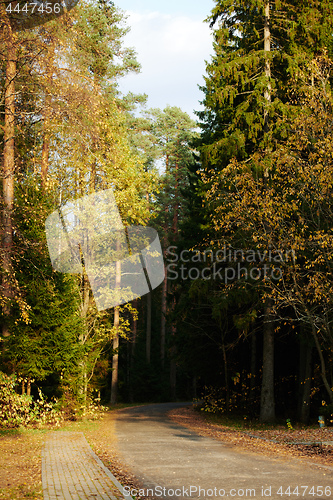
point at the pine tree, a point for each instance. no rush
(174, 133)
(8, 175)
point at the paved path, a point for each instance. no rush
(175, 462)
(72, 471)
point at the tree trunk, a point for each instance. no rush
(253, 368)
(85, 301)
(173, 366)
(115, 347)
(163, 318)
(46, 142)
(173, 374)
(322, 364)
(8, 173)
(135, 331)
(148, 325)
(93, 177)
(115, 343)
(29, 387)
(148, 328)
(133, 346)
(45, 155)
(47, 116)
(304, 382)
(176, 205)
(165, 282)
(267, 49)
(226, 383)
(267, 404)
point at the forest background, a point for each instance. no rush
(242, 201)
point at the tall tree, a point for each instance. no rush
(8, 169)
(253, 81)
(267, 404)
(174, 132)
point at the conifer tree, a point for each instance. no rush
(242, 72)
(173, 132)
(252, 91)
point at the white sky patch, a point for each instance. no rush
(172, 50)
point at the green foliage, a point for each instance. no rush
(48, 342)
(73, 408)
(238, 93)
(99, 31)
(263, 180)
(172, 133)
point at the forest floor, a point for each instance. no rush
(20, 464)
(20, 450)
(312, 443)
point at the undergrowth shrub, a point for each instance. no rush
(21, 410)
(73, 408)
(212, 401)
(215, 400)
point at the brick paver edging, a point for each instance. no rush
(72, 471)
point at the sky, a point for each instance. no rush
(172, 43)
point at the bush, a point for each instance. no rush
(17, 410)
(73, 409)
(94, 410)
(14, 409)
(214, 400)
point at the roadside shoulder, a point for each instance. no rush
(274, 443)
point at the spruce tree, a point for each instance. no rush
(253, 92)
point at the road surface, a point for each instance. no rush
(175, 462)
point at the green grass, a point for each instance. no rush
(238, 422)
(9, 432)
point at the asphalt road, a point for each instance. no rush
(175, 462)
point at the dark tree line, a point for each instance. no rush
(242, 202)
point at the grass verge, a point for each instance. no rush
(20, 455)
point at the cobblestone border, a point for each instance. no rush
(72, 471)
